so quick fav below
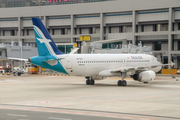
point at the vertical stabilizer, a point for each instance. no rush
(45, 43)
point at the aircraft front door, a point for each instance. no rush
(124, 63)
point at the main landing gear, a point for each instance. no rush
(122, 82)
(90, 81)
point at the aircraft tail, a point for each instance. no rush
(45, 43)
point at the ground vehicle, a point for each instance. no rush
(17, 71)
(178, 71)
(2, 72)
(5, 70)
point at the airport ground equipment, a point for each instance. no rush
(17, 72)
(7, 71)
(35, 69)
(2, 70)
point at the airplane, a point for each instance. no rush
(141, 67)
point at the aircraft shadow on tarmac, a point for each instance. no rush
(158, 85)
(115, 85)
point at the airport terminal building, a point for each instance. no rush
(155, 23)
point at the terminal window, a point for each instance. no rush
(157, 45)
(178, 45)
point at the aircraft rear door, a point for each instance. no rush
(69, 63)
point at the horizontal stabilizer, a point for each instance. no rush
(53, 62)
(54, 59)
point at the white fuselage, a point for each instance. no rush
(93, 64)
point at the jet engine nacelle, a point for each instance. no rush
(145, 76)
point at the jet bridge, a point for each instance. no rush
(114, 46)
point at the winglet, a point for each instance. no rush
(18, 59)
(74, 50)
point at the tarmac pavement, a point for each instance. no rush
(68, 96)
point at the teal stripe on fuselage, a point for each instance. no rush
(39, 61)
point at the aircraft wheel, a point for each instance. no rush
(88, 82)
(19, 74)
(124, 83)
(145, 82)
(119, 83)
(92, 82)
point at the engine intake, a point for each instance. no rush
(145, 76)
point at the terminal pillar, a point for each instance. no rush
(51, 31)
(78, 31)
(176, 62)
(101, 26)
(72, 27)
(134, 27)
(107, 32)
(175, 45)
(169, 37)
(66, 31)
(45, 21)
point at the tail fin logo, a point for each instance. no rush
(42, 39)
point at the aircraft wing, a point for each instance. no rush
(171, 63)
(128, 69)
(133, 69)
(122, 69)
(18, 59)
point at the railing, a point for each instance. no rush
(24, 3)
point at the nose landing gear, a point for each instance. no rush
(122, 82)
